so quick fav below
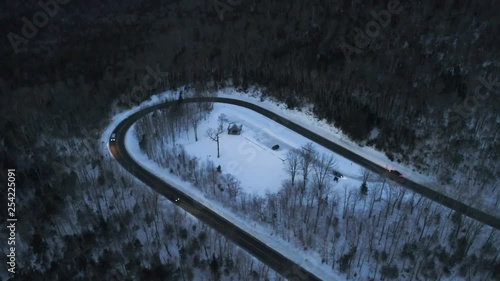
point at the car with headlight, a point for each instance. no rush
(337, 174)
(396, 173)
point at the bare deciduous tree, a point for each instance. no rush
(222, 119)
(215, 133)
(308, 154)
(365, 174)
(292, 163)
(322, 167)
(233, 186)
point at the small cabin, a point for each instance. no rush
(233, 129)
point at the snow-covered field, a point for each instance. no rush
(249, 156)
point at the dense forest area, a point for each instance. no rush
(413, 82)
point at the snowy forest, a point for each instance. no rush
(118, 229)
(413, 83)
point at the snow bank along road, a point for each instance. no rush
(275, 260)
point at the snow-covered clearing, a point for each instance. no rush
(249, 156)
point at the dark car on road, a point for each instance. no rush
(113, 137)
(396, 173)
